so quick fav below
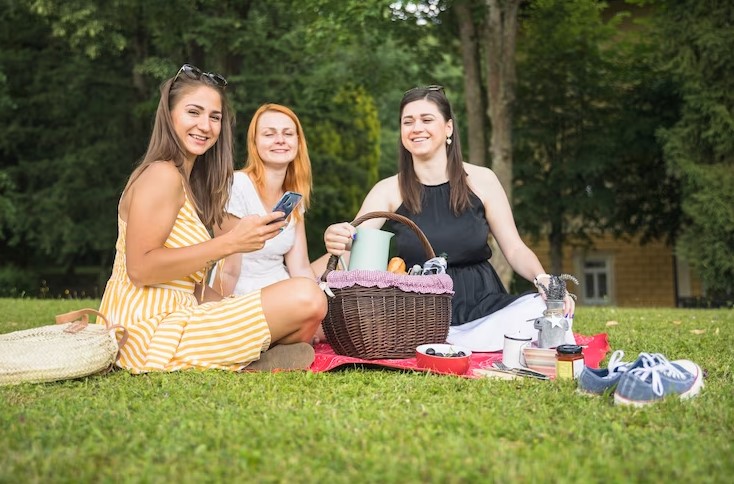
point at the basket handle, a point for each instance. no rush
(80, 318)
(333, 260)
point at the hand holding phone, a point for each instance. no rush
(248, 232)
(287, 203)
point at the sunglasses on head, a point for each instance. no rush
(193, 72)
(432, 87)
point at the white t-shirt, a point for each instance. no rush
(265, 266)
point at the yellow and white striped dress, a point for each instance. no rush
(168, 329)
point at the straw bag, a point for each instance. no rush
(72, 348)
(378, 314)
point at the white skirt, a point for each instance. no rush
(487, 334)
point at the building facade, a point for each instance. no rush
(620, 272)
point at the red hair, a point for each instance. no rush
(298, 174)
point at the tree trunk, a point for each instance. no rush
(233, 58)
(501, 30)
(196, 53)
(139, 44)
(475, 110)
(555, 241)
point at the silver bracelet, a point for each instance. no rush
(535, 280)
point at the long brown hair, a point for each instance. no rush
(411, 189)
(211, 177)
(298, 174)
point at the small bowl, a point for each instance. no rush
(457, 365)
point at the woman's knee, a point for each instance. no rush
(310, 299)
(297, 296)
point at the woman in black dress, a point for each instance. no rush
(456, 205)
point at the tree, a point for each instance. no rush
(60, 147)
(346, 164)
(501, 33)
(567, 99)
(642, 196)
(696, 39)
(7, 187)
(79, 119)
(7, 209)
(470, 46)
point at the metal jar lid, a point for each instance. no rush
(568, 349)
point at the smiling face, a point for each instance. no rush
(276, 138)
(423, 130)
(197, 120)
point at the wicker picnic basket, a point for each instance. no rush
(72, 348)
(386, 322)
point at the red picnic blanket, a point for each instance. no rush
(595, 348)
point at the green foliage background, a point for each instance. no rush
(78, 120)
(625, 133)
(567, 92)
(696, 40)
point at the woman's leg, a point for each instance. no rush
(293, 308)
(488, 333)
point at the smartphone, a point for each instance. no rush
(287, 203)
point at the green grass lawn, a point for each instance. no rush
(374, 426)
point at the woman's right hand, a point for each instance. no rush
(252, 231)
(338, 238)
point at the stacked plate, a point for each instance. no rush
(541, 359)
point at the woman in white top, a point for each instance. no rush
(277, 162)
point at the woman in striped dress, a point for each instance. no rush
(158, 287)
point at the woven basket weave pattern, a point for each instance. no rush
(49, 353)
(374, 323)
(377, 323)
(62, 351)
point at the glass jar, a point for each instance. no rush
(552, 327)
(569, 361)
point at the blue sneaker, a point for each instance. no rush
(648, 384)
(598, 381)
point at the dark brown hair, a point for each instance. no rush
(211, 177)
(411, 189)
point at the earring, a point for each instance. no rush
(448, 141)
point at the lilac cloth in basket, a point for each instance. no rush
(433, 284)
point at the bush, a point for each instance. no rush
(17, 282)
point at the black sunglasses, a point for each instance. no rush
(432, 87)
(193, 72)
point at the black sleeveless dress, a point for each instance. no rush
(478, 289)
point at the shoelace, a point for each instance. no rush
(653, 371)
(648, 360)
(616, 364)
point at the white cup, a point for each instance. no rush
(512, 353)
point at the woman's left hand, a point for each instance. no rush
(569, 304)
